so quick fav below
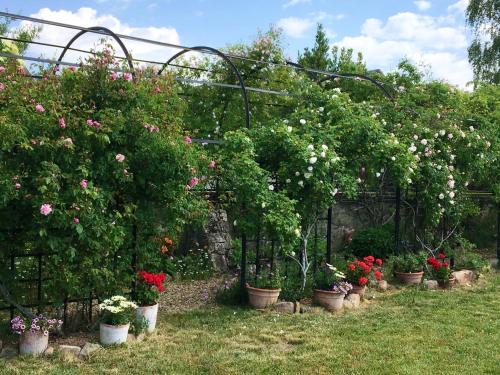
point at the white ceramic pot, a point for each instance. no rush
(150, 313)
(113, 335)
(33, 343)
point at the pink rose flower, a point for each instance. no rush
(211, 164)
(39, 108)
(45, 209)
(193, 182)
(84, 184)
(2, 86)
(113, 76)
(127, 76)
(157, 89)
(188, 139)
(18, 186)
(120, 158)
(90, 122)
(76, 220)
(62, 123)
(2, 69)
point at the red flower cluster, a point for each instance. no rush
(152, 279)
(436, 264)
(358, 271)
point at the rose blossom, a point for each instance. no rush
(2, 69)
(39, 108)
(193, 182)
(157, 89)
(127, 76)
(211, 164)
(45, 209)
(2, 86)
(113, 76)
(188, 139)
(84, 184)
(120, 158)
(62, 123)
(17, 185)
(76, 220)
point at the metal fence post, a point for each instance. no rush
(397, 219)
(329, 235)
(243, 267)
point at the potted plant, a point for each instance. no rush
(409, 267)
(441, 270)
(360, 272)
(34, 338)
(265, 290)
(149, 287)
(330, 288)
(116, 317)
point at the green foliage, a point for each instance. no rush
(138, 325)
(195, 265)
(408, 262)
(317, 57)
(376, 241)
(230, 294)
(267, 279)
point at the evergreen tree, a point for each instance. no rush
(317, 57)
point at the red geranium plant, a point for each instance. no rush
(440, 267)
(359, 272)
(149, 287)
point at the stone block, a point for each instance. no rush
(88, 349)
(431, 284)
(352, 301)
(464, 277)
(285, 307)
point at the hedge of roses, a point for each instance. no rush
(95, 166)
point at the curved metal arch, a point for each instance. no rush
(226, 59)
(104, 30)
(379, 85)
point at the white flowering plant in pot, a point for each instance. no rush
(117, 310)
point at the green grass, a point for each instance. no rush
(404, 332)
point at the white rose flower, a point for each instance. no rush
(271, 187)
(423, 141)
(324, 147)
(310, 168)
(301, 183)
(307, 175)
(302, 121)
(377, 174)
(289, 129)
(288, 180)
(441, 196)
(452, 194)
(310, 147)
(313, 160)
(323, 154)
(297, 174)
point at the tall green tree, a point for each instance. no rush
(483, 16)
(317, 57)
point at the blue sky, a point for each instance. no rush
(428, 31)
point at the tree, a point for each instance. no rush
(317, 57)
(483, 16)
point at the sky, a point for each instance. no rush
(428, 32)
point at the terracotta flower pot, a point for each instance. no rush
(33, 343)
(356, 289)
(410, 278)
(261, 298)
(332, 301)
(113, 335)
(150, 313)
(447, 283)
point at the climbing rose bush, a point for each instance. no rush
(94, 165)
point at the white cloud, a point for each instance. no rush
(434, 41)
(292, 3)
(87, 17)
(422, 4)
(295, 27)
(460, 6)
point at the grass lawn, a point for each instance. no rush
(407, 331)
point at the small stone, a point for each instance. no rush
(49, 350)
(70, 350)
(352, 301)
(431, 284)
(383, 285)
(9, 352)
(285, 307)
(296, 307)
(464, 276)
(88, 349)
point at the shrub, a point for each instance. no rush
(376, 241)
(408, 262)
